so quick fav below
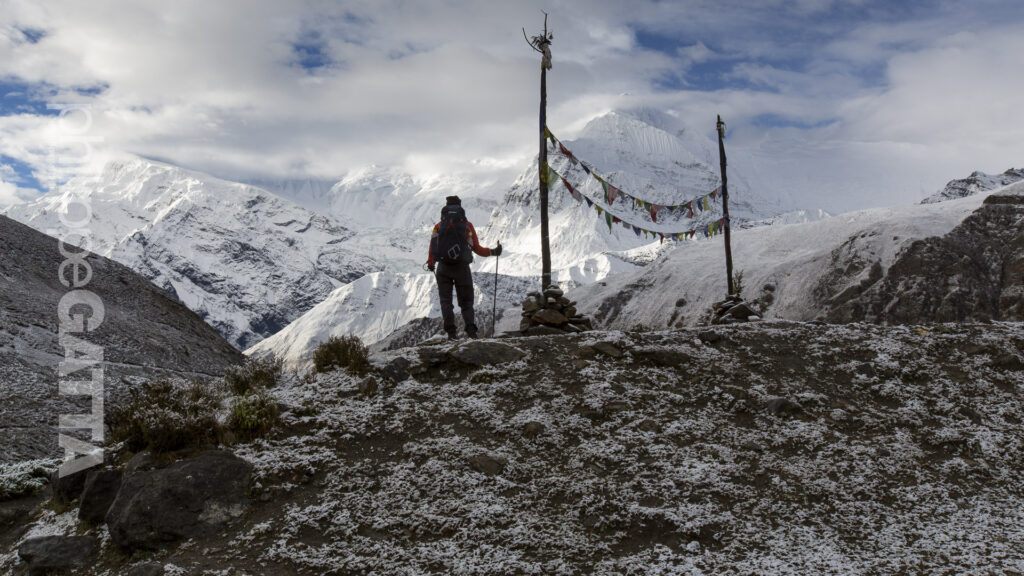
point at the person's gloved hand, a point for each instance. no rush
(496, 251)
(430, 266)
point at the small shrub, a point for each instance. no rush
(254, 415)
(254, 374)
(346, 352)
(737, 283)
(24, 478)
(164, 416)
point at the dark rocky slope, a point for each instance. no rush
(975, 272)
(144, 334)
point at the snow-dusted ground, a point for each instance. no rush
(899, 452)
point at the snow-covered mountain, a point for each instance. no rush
(390, 210)
(377, 305)
(643, 152)
(945, 261)
(245, 260)
(975, 183)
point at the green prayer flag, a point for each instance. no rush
(552, 175)
(608, 219)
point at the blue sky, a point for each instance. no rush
(830, 103)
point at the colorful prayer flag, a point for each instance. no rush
(654, 212)
(608, 220)
(611, 192)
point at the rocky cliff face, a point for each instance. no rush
(975, 272)
(144, 333)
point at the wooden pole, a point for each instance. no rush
(541, 43)
(725, 205)
(545, 247)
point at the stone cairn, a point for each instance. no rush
(734, 310)
(551, 313)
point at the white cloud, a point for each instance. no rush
(11, 194)
(440, 88)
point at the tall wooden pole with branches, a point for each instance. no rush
(542, 44)
(725, 205)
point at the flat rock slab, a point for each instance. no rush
(188, 499)
(608, 349)
(488, 464)
(544, 331)
(550, 316)
(56, 552)
(781, 406)
(478, 353)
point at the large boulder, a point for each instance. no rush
(478, 353)
(67, 488)
(56, 553)
(101, 488)
(550, 316)
(188, 499)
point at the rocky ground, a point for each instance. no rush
(765, 448)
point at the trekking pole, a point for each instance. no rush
(494, 304)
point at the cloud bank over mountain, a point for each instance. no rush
(836, 104)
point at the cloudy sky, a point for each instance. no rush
(830, 103)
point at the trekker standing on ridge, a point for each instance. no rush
(451, 250)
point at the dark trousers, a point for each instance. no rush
(459, 277)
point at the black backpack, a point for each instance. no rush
(453, 244)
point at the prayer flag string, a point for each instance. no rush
(611, 192)
(707, 231)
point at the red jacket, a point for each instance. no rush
(470, 236)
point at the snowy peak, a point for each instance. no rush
(246, 261)
(645, 153)
(975, 183)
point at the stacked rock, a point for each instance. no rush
(733, 310)
(551, 313)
